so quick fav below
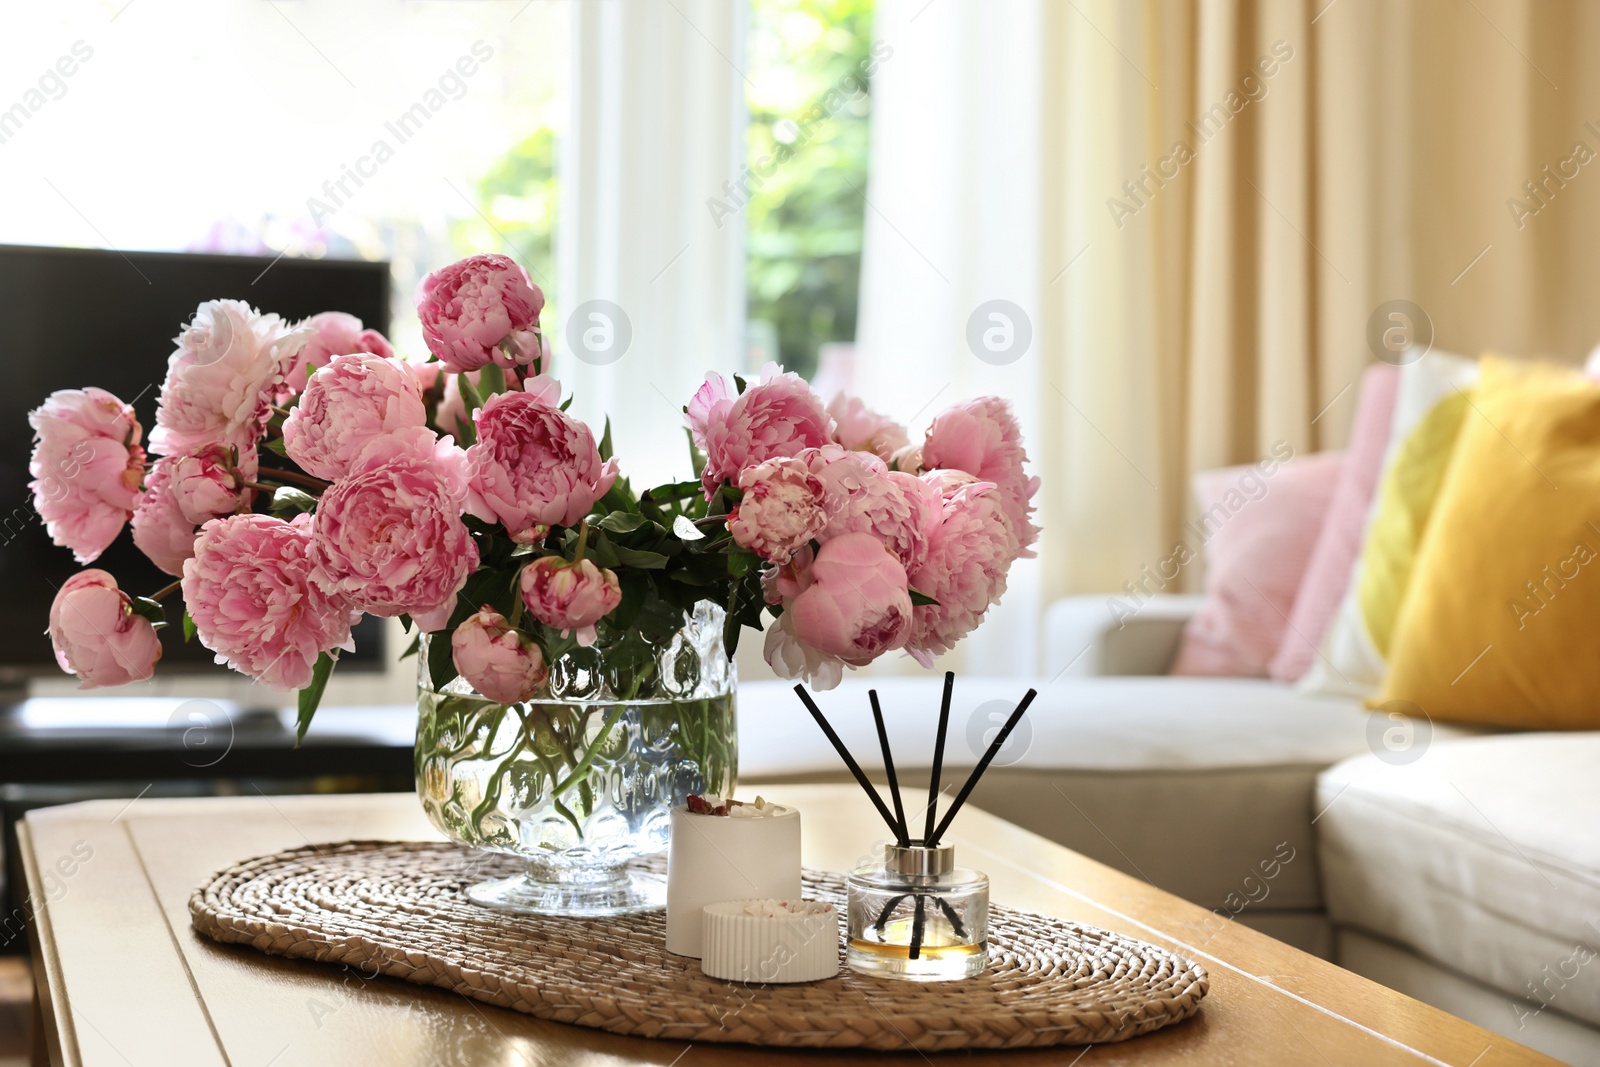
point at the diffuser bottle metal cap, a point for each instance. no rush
(919, 861)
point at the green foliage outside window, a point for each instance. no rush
(810, 64)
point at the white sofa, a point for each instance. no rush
(1465, 877)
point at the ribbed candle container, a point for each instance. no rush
(762, 941)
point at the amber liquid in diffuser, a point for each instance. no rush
(929, 952)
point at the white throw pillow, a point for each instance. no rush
(1350, 663)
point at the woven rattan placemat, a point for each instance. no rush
(398, 908)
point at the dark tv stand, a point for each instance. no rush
(59, 751)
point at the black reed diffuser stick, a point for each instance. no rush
(901, 832)
(849, 760)
(938, 757)
(983, 765)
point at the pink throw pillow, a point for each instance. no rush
(1260, 523)
(1332, 561)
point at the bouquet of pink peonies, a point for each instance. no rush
(303, 475)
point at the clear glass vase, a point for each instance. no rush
(582, 781)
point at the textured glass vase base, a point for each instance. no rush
(933, 964)
(632, 892)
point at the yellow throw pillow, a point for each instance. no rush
(1405, 501)
(1499, 622)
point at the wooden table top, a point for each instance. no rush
(128, 983)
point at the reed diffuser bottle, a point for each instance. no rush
(916, 915)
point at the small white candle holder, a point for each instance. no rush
(770, 941)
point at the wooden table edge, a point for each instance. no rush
(53, 1027)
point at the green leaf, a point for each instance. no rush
(618, 498)
(741, 383)
(920, 600)
(441, 664)
(275, 446)
(189, 629)
(638, 557)
(621, 522)
(287, 502)
(635, 586)
(675, 491)
(411, 649)
(567, 403)
(149, 609)
(311, 695)
(471, 398)
(605, 441)
(405, 622)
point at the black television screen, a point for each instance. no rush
(71, 318)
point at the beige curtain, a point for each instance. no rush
(1307, 160)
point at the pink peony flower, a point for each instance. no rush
(778, 415)
(864, 496)
(186, 491)
(86, 468)
(982, 438)
(222, 380)
(346, 404)
(857, 606)
(333, 333)
(253, 593)
(96, 634)
(500, 662)
(970, 552)
(781, 510)
(160, 529)
(860, 429)
(789, 657)
(481, 309)
(534, 466)
(389, 536)
(206, 485)
(908, 459)
(569, 596)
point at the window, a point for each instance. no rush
(810, 104)
(403, 131)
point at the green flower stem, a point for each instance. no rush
(293, 476)
(583, 541)
(166, 591)
(583, 765)
(491, 794)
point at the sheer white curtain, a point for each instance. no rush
(952, 223)
(657, 128)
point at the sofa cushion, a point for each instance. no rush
(1189, 783)
(1506, 570)
(1339, 544)
(1483, 855)
(1259, 524)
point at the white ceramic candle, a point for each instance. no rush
(714, 858)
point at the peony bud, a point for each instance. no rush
(96, 634)
(500, 662)
(569, 596)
